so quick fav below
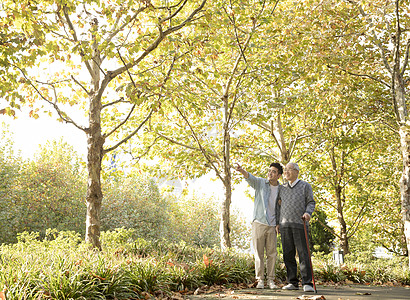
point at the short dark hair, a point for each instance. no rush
(277, 166)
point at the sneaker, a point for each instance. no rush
(308, 288)
(290, 287)
(260, 285)
(272, 284)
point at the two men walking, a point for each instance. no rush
(281, 209)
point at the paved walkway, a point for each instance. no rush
(346, 292)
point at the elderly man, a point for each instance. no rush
(264, 222)
(296, 205)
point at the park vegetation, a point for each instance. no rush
(154, 242)
(59, 266)
(199, 85)
(180, 89)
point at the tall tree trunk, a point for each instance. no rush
(344, 241)
(224, 227)
(277, 134)
(337, 176)
(94, 196)
(400, 107)
(405, 183)
(95, 143)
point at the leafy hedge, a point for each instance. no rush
(61, 266)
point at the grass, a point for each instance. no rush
(62, 266)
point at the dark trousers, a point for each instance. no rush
(294, 239)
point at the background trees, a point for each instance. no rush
(86, 56)
(48, 192)
(213, 88)
(321, 83)
(369, 40)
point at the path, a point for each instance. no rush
(346, 292)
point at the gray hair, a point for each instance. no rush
(294, 165)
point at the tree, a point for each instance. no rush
(212, 92)
(375, 47)
(51, 190)
(10, 166)
(93, 55)
(15, 46)
(280, 127)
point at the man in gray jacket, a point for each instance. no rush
(296, 205)
(264, 222)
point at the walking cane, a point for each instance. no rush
(310, 259)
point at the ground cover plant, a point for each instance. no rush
(62, 266)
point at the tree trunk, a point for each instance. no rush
(344, 241)
(225, 225)
(94, 196)
(405, 183)
(277, 130)
(95, 143)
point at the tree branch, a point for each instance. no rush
(61, 114)
(121, 123)
(363, 75)
(155, 43)
(131, 134)
(329, 228)
(406, 58)
(74, 34)
(81, 86)
(375, 40)
(203, 151)
(175, 13)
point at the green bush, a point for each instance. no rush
(321, 237)
(361, 268)
(61, 266)
(134, 202)
(195, 220)
(45, 193)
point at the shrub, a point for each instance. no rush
(212, 272)
(44, 193)
(321, 237)
(61, 266)
(134, 202)
(195, 220)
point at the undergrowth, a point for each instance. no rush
(62, 266)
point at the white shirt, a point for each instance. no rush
(271, 209)
(294, 183)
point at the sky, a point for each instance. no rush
(29, 134)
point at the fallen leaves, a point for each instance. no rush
(315, 297)
(359, 293)
(3, 294)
